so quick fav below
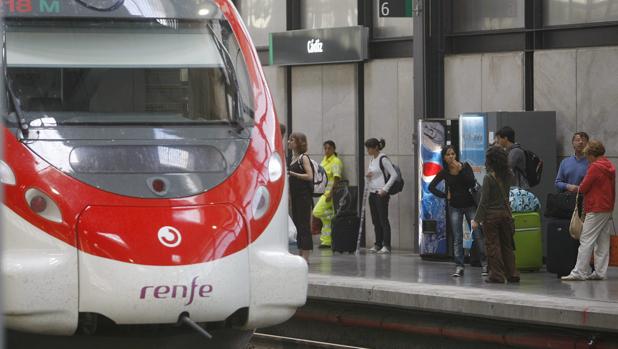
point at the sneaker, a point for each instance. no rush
(384, 250)
(459, 271)
(374, 249)
(595, 276)
(572, 277)
(484, 271)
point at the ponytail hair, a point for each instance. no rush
(375, 143)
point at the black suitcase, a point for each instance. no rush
(561, 247)
(345, 233)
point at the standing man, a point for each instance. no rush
(573, 169)
(505, 137)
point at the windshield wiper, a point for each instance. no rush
(230, 74)
(21, 121)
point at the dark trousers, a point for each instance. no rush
(499, 231)
(378, 205)
(301, 216)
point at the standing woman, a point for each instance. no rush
(324, 209)
(494, 213)
(378, 194)
(301, 191)
(458, 179)
(599, 189)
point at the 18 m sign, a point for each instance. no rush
(30, 6)
(395, 8)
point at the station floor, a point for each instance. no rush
(404, 280)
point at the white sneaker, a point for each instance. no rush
(459, 272)
(374, 249)
(572, 277)
(595, 276)
(384, 250)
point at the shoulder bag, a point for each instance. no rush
(577, 224)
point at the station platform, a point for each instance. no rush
(404, 280)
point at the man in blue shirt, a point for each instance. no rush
(573, 169)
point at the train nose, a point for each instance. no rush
(151, 264)
(162, 235)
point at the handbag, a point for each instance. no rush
(475, 191)
(577, 224)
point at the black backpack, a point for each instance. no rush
(534, 168)
(398, 185)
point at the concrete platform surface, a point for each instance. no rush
(404, 280)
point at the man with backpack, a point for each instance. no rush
(505, 137)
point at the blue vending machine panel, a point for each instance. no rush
(473, 142)
(432, 210)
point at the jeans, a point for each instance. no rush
(456, 216)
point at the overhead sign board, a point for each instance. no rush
(319, 46)
(395, 8)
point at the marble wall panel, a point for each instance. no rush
(405, 105)
(502, 81)
(597, 95)
(407, 203)
(555, 88)
(462, 85)
(381, 105)
(307, 105)
(339, 111)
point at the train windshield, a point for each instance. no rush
(150, 72)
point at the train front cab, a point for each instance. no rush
(143, 174)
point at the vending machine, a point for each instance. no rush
(534, 130)
(433, 232)
(471, 134)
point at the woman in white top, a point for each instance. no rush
(380, 168)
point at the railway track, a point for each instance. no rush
(266, 341)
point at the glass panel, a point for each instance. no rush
(473, 15)
(328, 13)
(118, 72)
(557, 12)
(390, 27)
(262, 17)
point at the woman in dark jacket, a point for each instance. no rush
(459, 179)
(494, 214)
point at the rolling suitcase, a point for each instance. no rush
(345, 233)
(561, 247)
(528, 241)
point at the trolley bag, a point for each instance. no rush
(345, 233)
(561, 247)
(560, 205)
(528, 241)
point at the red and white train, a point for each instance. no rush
(143, 169)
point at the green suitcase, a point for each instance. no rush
(528, 241)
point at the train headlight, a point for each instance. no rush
(260, 202)
(6, 174)
(275, 167)
(43, 205)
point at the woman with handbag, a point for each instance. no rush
(494, 214)
(300, 179)
(599, 189)
(459, 180)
